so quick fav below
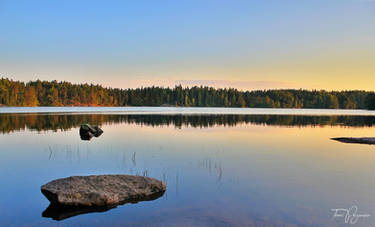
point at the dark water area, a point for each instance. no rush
(220, 170)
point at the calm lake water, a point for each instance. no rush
(221, 167)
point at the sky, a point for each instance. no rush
(253, 44)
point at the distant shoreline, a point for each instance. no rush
(185, 111)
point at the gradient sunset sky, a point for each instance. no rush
(316, 44)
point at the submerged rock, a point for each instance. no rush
(87, 131)
(102, 190)
(361, 140)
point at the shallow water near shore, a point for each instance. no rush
(226, 169)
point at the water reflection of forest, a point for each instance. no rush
(41, 122)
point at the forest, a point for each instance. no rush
(54, 93)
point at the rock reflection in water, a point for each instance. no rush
(60, 212)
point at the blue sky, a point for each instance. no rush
(246, 44)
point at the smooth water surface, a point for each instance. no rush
(187, 110)
(220, 170)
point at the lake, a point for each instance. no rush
(222, 166)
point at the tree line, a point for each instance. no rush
(53, 93)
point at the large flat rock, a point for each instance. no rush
(102, 190)
(361, 140)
